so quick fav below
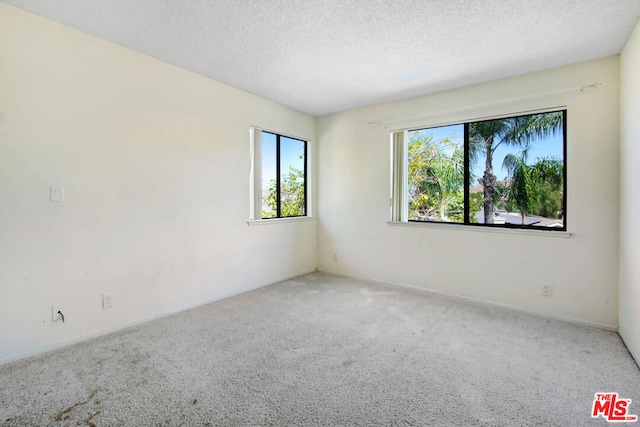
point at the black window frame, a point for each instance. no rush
(278, 177)
(467, 174)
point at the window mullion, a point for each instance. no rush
(467, 176)
(278, 200)
(306, 183)
(404, 207)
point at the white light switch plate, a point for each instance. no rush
(57, 194)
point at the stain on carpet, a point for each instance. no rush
(65, 414)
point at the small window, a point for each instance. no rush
(508, 172)
(279, 180)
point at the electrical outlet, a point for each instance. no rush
(56, 309)
(107, 300)
(546, 290)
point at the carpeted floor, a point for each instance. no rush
(328, 351)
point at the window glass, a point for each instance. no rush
(269, 173)
(435, 174)
(292, 177)
(507, 172)
(516, 170)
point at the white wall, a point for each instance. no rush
(629, 200)
(502, 268)
(155, 164)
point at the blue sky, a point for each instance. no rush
(290, 152)
(548, 147)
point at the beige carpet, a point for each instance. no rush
(327, 351)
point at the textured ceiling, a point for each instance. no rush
(323, 56)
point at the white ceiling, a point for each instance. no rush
(323, 56)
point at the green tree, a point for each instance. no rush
(435, 177)
(292, 195)
(475, 205)
(534, 187)
(550, 202)
(550, 190)
(486, 136)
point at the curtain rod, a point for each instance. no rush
(579, 89)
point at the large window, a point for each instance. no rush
(280, 176)
(508, 172)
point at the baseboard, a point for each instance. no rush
(611, 328)
(37, 351)
(634, 352)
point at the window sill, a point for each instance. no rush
(479, 229)
(279, 220)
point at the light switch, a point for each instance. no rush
(57, 194)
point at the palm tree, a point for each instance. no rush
(529, 182)
(485, 137)
(436, 176)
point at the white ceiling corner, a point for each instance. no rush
(324, 56)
